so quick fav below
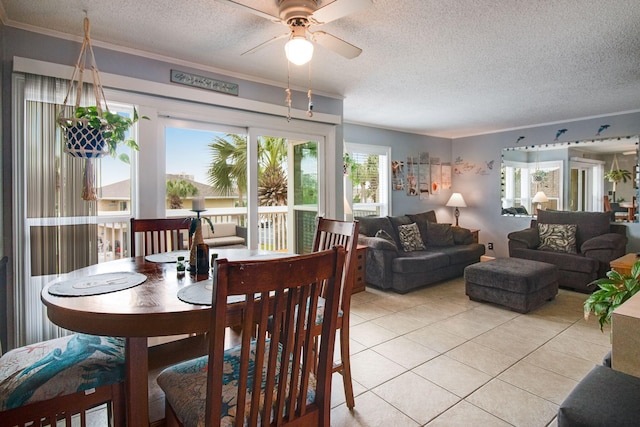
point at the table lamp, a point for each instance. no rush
(540, 198)
(457, 201)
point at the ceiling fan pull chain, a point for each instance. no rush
(288, 92)
(309, 95)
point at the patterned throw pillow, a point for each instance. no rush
(410, 237)
(557, 237)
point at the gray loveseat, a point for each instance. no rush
(447, 251)
(597, 242)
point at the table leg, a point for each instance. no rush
(137, 393)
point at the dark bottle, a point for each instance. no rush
(202, 258)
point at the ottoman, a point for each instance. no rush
(519, 284)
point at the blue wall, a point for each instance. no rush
(483, 193)
(405, 145)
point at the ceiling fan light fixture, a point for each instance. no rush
(299, 50)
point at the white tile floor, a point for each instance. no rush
(434, 358)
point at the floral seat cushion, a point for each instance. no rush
(58, 367)
(185, 386)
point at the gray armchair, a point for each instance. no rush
(598, 242)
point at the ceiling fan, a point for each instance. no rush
(300, 16)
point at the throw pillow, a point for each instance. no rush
(386, 236)
(439, 234)
(423, 219)
(557, 237)
(410, 237)
(462, 236)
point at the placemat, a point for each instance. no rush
(97, 284)
(167, 256)
(200, 294)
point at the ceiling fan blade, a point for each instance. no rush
(337, 10)
(260, 13)
(268, 42)
(335, 44)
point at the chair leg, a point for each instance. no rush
(346, 366)
(170, 418)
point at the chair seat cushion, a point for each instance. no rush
(185, 387)
(59, 367)
(604, 397)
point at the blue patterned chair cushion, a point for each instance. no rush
(58, 367)
(185, 387)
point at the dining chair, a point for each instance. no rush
(63, 378)
(617, 212)
(158, 234)
(257, 378)
(332, 232)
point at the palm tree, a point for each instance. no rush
(227, 172)
(177, 190)
(228, 169)
(272, 180)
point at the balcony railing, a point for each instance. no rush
(113, 229)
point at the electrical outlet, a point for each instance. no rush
(490, 246)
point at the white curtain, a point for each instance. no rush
(57, 230)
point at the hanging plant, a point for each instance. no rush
(617, 175)
(94, 131)
(538, 176)
(107, 129)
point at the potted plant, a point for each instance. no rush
(538, 176)
(617, 175)
(93, 132)
(613, 291)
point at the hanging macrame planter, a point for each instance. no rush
(85, 131)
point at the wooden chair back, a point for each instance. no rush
(333, 232)
(158, 235)
(274, 291)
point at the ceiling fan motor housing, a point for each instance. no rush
(297, 12)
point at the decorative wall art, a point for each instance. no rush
(446, 176)
(461, 167)
(423, 172)
(436, 175)
(423, 175)
(397, 173)
(412, 176)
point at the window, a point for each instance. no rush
(367, 180)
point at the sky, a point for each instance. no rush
(187, 152)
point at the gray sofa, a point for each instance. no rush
(447, 251)
(598, 242)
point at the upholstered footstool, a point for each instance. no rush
(519, 284)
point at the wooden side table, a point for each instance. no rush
(359, 281)
(623, 264)
(474, 233)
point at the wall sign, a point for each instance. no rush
(204, 82)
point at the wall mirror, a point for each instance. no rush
(596, 175)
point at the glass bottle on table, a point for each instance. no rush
(181, 266)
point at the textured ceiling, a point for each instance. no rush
(446, 68)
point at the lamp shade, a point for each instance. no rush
(299, 50)
(540, 197)
(456, 201)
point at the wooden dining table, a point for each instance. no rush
(150, 309)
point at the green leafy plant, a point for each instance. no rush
(113, 126)
(194, 224)
(617, 175)
(613, 291)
